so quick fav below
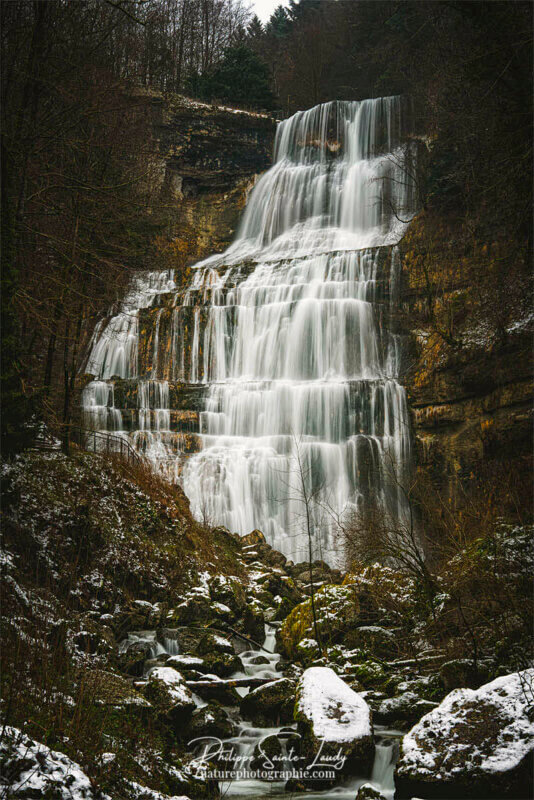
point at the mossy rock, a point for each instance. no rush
(167, 692)
(271, 704)
(404, 709)
(212, 720)
(228, 591)
(284, 607)
(214, 643)
(254, 623)
(267, 755)
(258, 660)
(189, 638)
(337, 610)
(255, 537)
(308, 652)
(193, 609)
(132, 660)
(368, 792)
(220, 693)
(222, 664)
(461, 673)
(334, 721)
(187, 665)
(107, 689)
(371, 674)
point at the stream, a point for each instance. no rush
(237, 751)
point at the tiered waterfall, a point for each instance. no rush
(268, 386)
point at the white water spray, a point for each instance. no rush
(288, 331)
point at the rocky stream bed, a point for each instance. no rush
(215, 684)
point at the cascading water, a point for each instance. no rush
(286, 335)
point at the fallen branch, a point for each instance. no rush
(232, 683)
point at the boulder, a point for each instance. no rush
(334, 721)
(255, 537)
(188, 666)
(219, 691)
(271, 704)
(195, 608)
(258, 660)
(132, 657)
(407, 707)
(477, 743)
(222, 664)
(254, 622)
(167, 690)
(189, 638)
(267, 755)
(337, 611)
(212, 720)
(214, 643)
(30, 769)
(228, 591)
(273, 558)
(308, 651)
(461, 673)
(368, 792)
(113, 691)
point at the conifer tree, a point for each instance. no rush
(279, 23)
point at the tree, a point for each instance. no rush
(279, 23)
(241, 78)
(255, 28)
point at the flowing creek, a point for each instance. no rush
(247, 736)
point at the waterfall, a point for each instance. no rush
(287, 338)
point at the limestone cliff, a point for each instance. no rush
(205, 160)
(468, 370)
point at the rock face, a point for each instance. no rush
(206, 160)
(470, 390)
(476, 743)
(334, 720)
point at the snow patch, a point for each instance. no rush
(335, 711)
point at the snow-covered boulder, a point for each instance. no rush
(478, 743)
(167, 690)
(333, 719)
(30, 769)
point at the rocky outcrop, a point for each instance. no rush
(467, 360)
(205, 162)
(476, 743)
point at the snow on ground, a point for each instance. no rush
(335, 711)
(486, 729)
(142, 793)
(32, 769)
(186, 101)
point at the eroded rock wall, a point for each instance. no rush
(468, 364)
(206, 160)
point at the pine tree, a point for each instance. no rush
(241, 77)
(255, 29)
(279, 23)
